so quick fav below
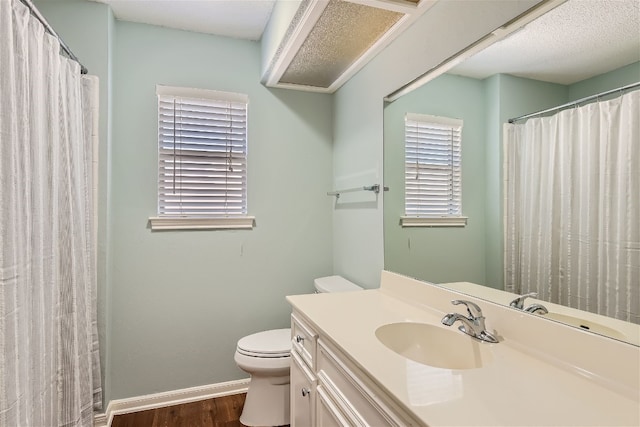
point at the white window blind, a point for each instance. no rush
(433, 181)
(202, 157)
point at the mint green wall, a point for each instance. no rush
(520, 96)
(434, 254)
(182, 299)
(493, 165)
(507, 97)
(612, 80)
(438, 254)
(172, 305)
(86, 27)
(449, 26)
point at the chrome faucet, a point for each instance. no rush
(533, 308)
(472, 325)
(519, 302)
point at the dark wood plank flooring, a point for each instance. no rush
(219, 412)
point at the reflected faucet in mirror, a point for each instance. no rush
(533, 308)
(537, 308)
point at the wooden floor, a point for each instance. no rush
(219, 412)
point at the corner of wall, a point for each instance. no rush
(493, 206)
(281, 16)
(106, 190)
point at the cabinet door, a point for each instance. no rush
(329, 415)
(303, 389)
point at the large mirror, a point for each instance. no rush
(576, 50)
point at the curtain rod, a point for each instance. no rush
(36, 13)
(576, 102)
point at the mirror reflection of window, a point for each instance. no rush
(433, 171)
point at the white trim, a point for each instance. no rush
(303, 88)
(190, 223)
(447, 121)
(189, 92)
(100, 420)
(170, 398)
(399, 6)
(506, 127)
(444, 221)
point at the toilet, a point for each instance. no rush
(266, 356)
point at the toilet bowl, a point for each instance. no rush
(266, 357)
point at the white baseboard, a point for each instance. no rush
(100, 420)
(169, 398)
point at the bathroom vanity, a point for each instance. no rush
(328, 389)
(383, 358)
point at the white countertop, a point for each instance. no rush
(518, 388)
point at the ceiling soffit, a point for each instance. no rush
(342, 34)
(328, 41)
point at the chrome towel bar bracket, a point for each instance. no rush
(375, 188)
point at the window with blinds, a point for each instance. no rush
(202, 158)
(433, 176)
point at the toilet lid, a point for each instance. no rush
(274, 343)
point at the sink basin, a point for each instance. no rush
(585, 324)
(434, 346)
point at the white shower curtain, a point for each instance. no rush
(49, 360)
(572, 206)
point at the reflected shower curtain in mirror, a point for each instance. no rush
(572, 207)
(49, 361)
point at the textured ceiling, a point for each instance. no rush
(343, 33)
(577, 40)
(244, 19)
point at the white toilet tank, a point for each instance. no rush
(334, 284)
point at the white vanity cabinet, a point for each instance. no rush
(356, 380)
(328, 414)
(328, 389)
(303, 379)
(356, 399)
(303, 390)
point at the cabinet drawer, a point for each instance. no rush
(303, 389)
(351, 393)
(304, 340)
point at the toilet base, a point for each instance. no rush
(267, 402)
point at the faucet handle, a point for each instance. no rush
(472, 308)
(519, 302)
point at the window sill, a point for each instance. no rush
(186, 223)
(443, 221)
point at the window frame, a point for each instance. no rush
(433, 220)
(186, 221)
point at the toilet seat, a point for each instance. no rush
(266, 356)
(268, 344)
